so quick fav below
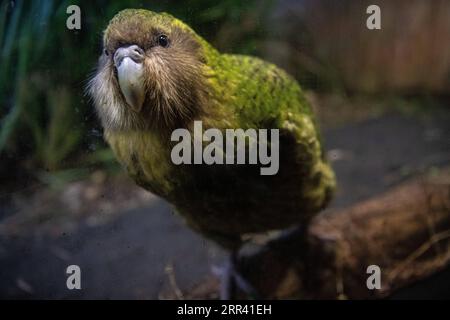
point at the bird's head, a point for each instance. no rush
(150, 73)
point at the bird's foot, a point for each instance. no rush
(231, 280)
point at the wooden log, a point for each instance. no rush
(406, 232)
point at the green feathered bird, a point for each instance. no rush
(156, 75)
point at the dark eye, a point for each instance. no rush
(106, 52)
(163, 41)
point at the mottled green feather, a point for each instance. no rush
(224, 202)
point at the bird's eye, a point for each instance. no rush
(163, 41)
(106, 52)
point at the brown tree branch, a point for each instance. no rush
(406, 232)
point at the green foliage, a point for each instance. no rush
(38, 114)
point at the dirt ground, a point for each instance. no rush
(129, 245)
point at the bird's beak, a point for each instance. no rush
(129, 64)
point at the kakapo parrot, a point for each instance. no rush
(156, 75)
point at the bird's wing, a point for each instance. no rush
(264, 96)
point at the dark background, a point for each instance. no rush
(382, 100)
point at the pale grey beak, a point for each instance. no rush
(129, 64)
